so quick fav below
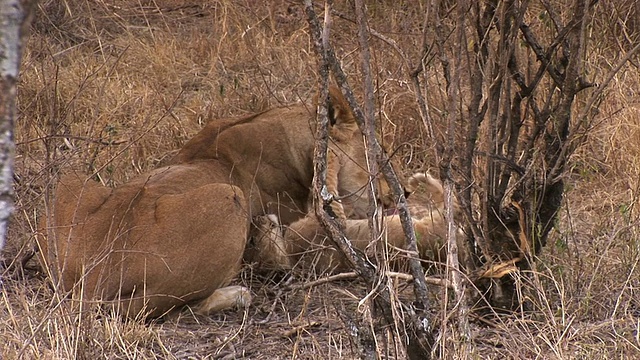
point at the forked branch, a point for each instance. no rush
(420, 339)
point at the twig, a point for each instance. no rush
(324, 280)
(369, 118)
(74, 137)
(299, 328)
(137, 138)
(427, 279)
(281, 289)
(453, 265)
(353, 275)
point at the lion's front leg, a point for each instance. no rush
(332, 203)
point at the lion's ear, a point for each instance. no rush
(341, 118)
(331, 114)
(339, 109)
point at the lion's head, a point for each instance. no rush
(266, 245)
(270, 157)
(349, 155)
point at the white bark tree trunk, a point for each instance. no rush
(12, 33)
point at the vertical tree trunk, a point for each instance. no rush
(13, 16)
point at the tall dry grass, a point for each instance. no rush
(115, 87)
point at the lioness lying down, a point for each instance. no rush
(305, 243)
(175, 235)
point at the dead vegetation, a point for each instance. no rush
(114, 88)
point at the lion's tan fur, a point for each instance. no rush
(308, 245)
(176, 234)
(148, 242)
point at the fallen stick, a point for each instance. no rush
(296, 330)
(351, 275)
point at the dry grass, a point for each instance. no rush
(129, 81)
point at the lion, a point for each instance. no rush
(176, 235)
(307, 244)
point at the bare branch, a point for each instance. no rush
(446, 158)
(389, 174)
(323, 199)
(323, 202)
(421, 339)
(353, 275)
(369, 118)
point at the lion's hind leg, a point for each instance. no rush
(224, 298)
(184, 248)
